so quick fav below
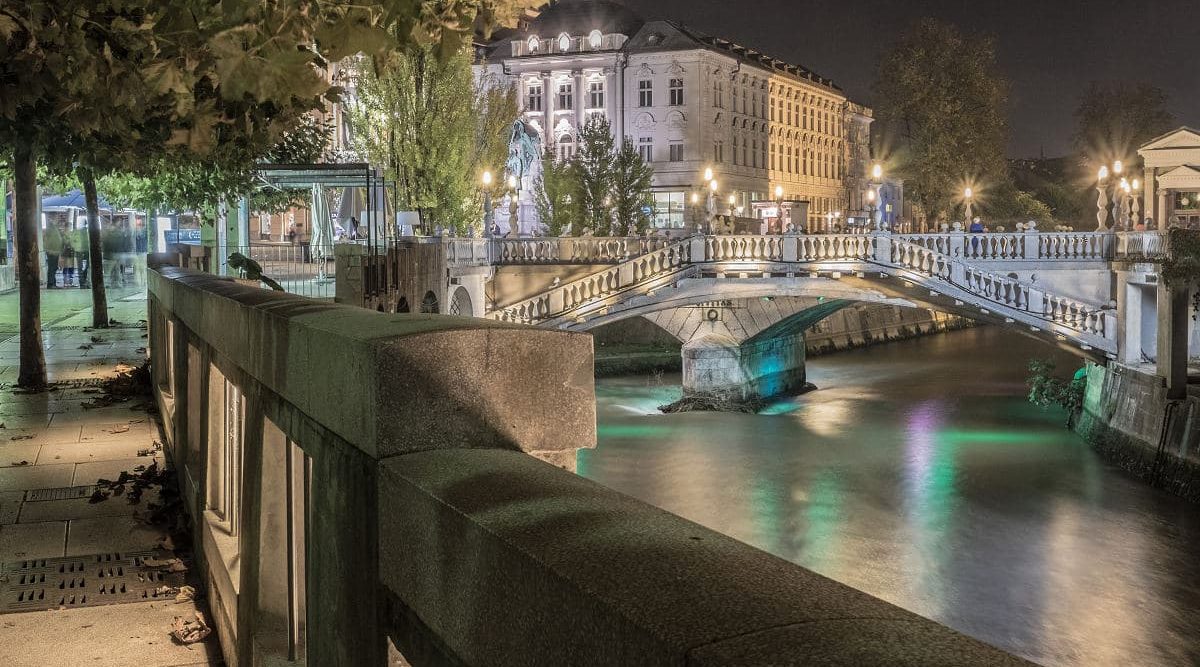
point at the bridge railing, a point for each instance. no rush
(1005, 291)
(573, 250)
(1135, 245)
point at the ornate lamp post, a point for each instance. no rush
(1102, 201)
(514, 206)
(874, 185)
(1136, 201)
(871, 204)
(488, 215)
(968, 210)
(779, 207)
(711, 206)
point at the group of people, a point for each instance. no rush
(68, 253)
(66, 250)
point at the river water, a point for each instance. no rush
(917, 472)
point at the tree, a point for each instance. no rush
(553, 191)
(1114, 119)
(631, 180)
(593, 171)
(196, 71)
(432, 126)
(941, 102)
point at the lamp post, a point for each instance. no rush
(514, 206)
(779, 207)
(968, 210)
(1102, 200)
(874, 184)
(711, 204)
(487, 204)
(871, 203)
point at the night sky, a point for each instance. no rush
(1049, 49)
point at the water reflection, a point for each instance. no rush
(918, 473)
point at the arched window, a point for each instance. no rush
(595, 39)
(564, 42)
(533, 44)
(402, 306)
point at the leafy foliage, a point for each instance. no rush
(432, 127)
(631, 180)
(941, 102)
(553, 190)
(1046, 389)
(1181, 269)
(594, 170)
(1114, 119)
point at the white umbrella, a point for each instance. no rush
(321, 245)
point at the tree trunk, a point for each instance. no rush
(32, 373)
(95, 256)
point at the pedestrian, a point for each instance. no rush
(353, 228)
(975, 228)
(52, 240)
(291, 234)
(67, 259)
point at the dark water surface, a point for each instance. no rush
(919, 474)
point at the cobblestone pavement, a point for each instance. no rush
(49, 443)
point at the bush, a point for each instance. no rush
(1045, 389)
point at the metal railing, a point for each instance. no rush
(297, 268)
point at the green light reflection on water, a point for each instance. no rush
(824, 518)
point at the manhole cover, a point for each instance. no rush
(61, 493)
(87, 581)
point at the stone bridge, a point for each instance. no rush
(1070, 289)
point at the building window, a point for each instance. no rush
(646, 149)
(676, 91)
(676, 152)
(564, 42)
(754, 153)
(566, 147)
(669, 209)
(595, 39)
(718, 95)
(533, 44)
(645, 93)
(596, 94)
(566, 96)
(735, 150)
(533, 100)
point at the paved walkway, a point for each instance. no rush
(50, 441)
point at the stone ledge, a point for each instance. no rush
(564, 571)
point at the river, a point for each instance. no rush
(918, 473)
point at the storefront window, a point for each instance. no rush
(669, 209)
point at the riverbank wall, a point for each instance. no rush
(637, 346)
(1127, 418)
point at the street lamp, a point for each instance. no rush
(708, 174)
(871, 203)
(877, 172)
(487, 204)
(514, 206)
(968, 193)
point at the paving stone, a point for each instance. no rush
(114, 533)
(10, 506)
(32, 540)
(88, 473)
(82, 508)
(92, 450)
(118, 636)
(12, 453)
(36, 477)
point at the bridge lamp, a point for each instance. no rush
(708, 174)
(732, 199)
(1118, 168)
(712, 185)
(512, 182)
(695, 199)
(487, 179)
(877, 171)
(779, 192)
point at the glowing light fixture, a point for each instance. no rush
(512, 182)
(877, 171)
(712, 185)
(779, 192)
(1118, 167)
(708, 174)
(487, 179)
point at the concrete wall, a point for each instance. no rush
(359, 480)
(1128, 418)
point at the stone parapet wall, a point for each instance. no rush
(359, 479)
(863, 325)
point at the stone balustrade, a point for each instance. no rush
(573, 250)
(361, 486)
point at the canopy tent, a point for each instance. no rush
(322, 230)
(375, 212)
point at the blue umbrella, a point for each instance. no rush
(72, 199)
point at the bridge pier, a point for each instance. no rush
(717, 366)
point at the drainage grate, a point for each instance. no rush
(61, 493)
(86, 581)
